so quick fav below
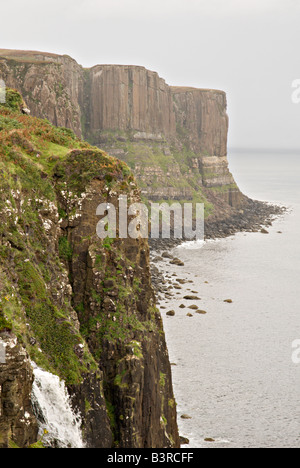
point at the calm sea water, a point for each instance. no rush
(234, 373)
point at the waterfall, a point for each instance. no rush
(53, 410)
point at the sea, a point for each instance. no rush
(235, 380)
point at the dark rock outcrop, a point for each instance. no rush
(17, 422)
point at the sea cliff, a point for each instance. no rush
(173, 138)
(77, 306)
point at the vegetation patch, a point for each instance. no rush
(79, 168)
(65, 249)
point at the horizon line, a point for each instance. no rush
(244, 149)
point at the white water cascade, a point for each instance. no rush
(54, 412)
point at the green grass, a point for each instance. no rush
(141, 156)
(65, 249)
(119, 380)
(14, 100)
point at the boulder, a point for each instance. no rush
(192, 298)
(186, 416)
(177, 262)
(171, 313)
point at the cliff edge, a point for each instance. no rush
(79, 307)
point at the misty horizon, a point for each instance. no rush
(248, 49)
(264, 150)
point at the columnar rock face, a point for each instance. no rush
(202, 118)
(202, 114)
(133, 114)
(129, 98)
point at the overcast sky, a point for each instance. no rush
(249, 48)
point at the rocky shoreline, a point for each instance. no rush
(256, 216)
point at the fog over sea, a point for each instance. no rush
(234, 374)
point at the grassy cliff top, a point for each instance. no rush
(36, 144)
(28, 56)
(187, 89)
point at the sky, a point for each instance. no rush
(248, 48)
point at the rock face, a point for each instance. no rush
(202, 114)
(80, 307)
(126, 98)
(116, 308)
(49, 84)
(174, 139)
(17, 421)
